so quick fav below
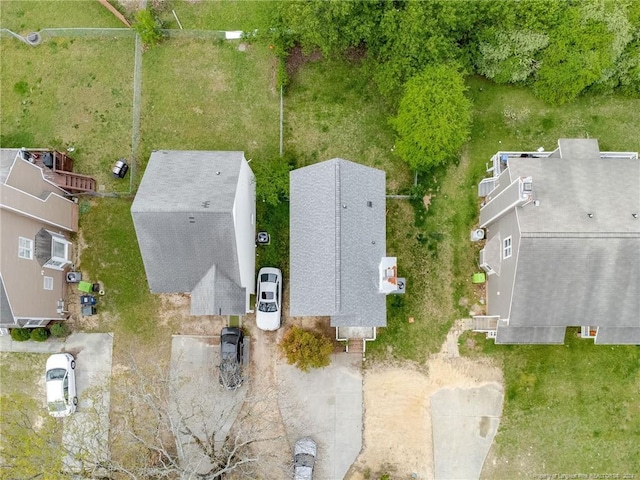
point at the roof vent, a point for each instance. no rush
(206, 204)
(218, 173)
(634, 215)
(369, 203)
(590, 215)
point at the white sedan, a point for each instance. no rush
(60, 379)
(269, 300)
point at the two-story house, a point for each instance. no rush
(562, 245)
(36, 218)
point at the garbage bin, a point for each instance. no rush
(87, 300)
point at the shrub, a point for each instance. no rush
(39, 334)
(59, 330)
(148, 27)
(20, 334)
(306, 349)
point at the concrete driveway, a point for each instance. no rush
(85, 433)
(325, 404)
(201, 404)
(464, 422)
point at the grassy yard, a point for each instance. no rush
(24, 16)
(70, 92)
(333, 110)
(245, 15)
(226, 98)
(568, 409)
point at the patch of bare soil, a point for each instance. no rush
(397, 437)
(296, 59)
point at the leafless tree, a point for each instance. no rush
(173, 426)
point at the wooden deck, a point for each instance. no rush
(57, 167)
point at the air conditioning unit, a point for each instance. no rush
(477, 235)
(263, 238)
(484, 265)
(74, 277)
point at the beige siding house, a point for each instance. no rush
(36, 218)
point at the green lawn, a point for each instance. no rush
(70, 92)
(245, 15)
(568, 409)
(226, 99)
(26, 16)
(333, 110)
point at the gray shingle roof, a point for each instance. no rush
(337, 240)
(530, 335)
(184, 221)
(618, 336)
(573, 269)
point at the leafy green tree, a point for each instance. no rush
(578, 55)
(332, 25)
(416, 34)
(306, 349)
(434, 117)
(39, 334)
(509, 56)
(29, 444)
(20, 334)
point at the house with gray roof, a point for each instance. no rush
(337, 238)
(562, 245)
(194, 216)
(38, 218)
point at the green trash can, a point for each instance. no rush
(477, 277)
(85, 287)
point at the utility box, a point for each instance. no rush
(74, 277)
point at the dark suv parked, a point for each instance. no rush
(231, 350)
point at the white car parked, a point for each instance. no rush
(60, 379)
(304, 458)
(269, 299)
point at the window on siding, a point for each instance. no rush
(48, 283)
(59, 252)
(25, 248)
(506, 247)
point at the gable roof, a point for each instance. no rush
(183, 215)
(337, 241)
(574, 268)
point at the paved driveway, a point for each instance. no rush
(85, 433)
(201, 404)
(325, 404)
(464, 422)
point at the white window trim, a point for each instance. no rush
(507, 247)
(48, 283)
(25, 248)
(58, 263)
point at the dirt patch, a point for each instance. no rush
(296, 59)
(397, 435)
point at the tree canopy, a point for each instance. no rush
(434, 117)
